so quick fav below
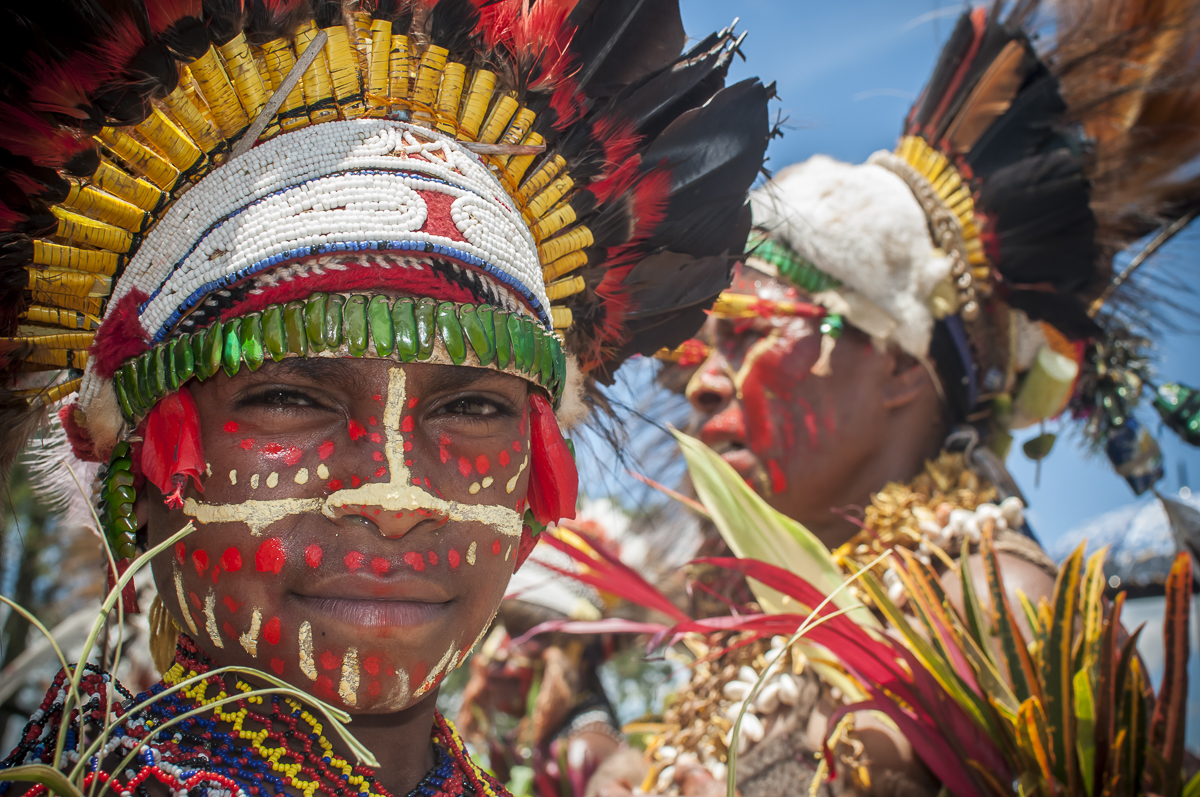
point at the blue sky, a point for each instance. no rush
(847, 74)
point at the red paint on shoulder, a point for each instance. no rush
(464, 466)
(200, 560)
(271, 631)
(277, 666)
(415, 561)
(357, 430)
(325, 449)
(482, 464)
(231, 426)
(502, 458)
(247, 444)
(496, 547)
(354, 560)
(371, 665)
(334, 484)
(313, 555)
(407, 424)
(230, 603)
(231, 560)
(270, 557)
(433, 558)
(380, 565)
(453, 558)
(329, 661)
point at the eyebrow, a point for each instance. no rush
(340, 370)
(458, 377)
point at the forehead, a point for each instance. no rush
(750, 281)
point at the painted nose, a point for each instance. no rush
(711, 388)
(388, 522)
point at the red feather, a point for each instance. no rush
(164, 13)
(120, 337)
(553, 479)
(32, 136)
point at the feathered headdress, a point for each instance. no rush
(188, 187)
(986, 239)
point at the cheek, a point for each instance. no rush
(472, 470)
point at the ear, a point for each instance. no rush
(907, 379)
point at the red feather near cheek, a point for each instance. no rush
(172, 450)
(553, 480)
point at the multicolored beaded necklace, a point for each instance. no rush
(233, 751)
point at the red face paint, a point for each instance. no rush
(371, 665)
(412, 402)
(453, 558)
(355, 481)
(271, 631)
(357, 430)
(231, 560)
(502, 458)
(496, 547)
(464, 466)
(313, 555)
(334, 484)
(377, 456)
(415, 561)
(482, 464)
(231, 604)
(229, 630)
(180, 552)
(200, 560)
(231, 427)
(325, 450)
(247, 444)
(277, 666)
(406, 425)
(419, 672)
(375, 437)
(354, 560)
(270, 557)
(379, 474)
(373, 689)
(330, 661)
(433, 558)
(380, 566)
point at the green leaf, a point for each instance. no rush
(1085, 738)
(1192, 789)
(753, 530)
(49, 777)
(1170, 711)
(1056, 666)
(1021, 673)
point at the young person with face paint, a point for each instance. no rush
(345, 355)
(895, 320)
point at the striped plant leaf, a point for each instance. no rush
(1013, 649)
(973, 612)
(1170, 712)
(1085, 735)
(1132, 696)
(1034, 740)
(1056, 667)
(1106, 694)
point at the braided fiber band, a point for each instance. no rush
(360, 325)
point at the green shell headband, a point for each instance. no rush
(376, 325)
(790, 264)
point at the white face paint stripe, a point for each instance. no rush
(183, 607)
(431, 679)
(308, 665)
(398, 494)
(471, 552)
(210, 619)
(249, 640)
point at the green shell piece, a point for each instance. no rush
(183, 363)
(122, 493)
(198, 354)
(504, 354)
(547, 361)
(141, 367)
(383, 333)
(560, 369)
(173, 382)
(451, 331)
(122, 478)
(231, 350)
(128, 549)
(334, 305)
(274, 336)
(314, 321)
(125, 524)
(158, 371)
(122, 397)
(535, 359)
(517, 336)
(354, 320)
(251, 339)
(214, 349)
(485, 313)
(472, 325)
(426, 327)
(120, 451)
(294, 330)
(404, 320)
(123, 509)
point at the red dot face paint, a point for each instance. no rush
(200, 560)
(380, 566)
(502, 458)
(371, 665)
(453, 558)
(372, 421)
(406, 425)
(180, 552)
(354, 560)
(334, 485)
(271, 631)
(247, 444)
(270, 557)
(277, 666)
(231, 427)
(433, 558)
(496, 547)
(379, 474)
(482, 464)
(330, 661)
(373, 689)
(357, 430)
(377, 456)
(415, 561)
(464, 466)
(325, 450)
(231, 560)
(231, 604)
(313, 555)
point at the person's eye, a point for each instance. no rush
(473, 406)
(280, 397)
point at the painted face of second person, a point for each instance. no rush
(359, 522)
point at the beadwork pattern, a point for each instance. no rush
(254, 746)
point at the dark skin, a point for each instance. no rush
(362, 604)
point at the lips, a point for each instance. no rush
(747, 464)
(406, 601)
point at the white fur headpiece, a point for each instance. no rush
(863, 226)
